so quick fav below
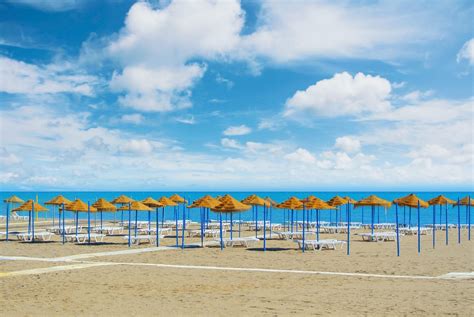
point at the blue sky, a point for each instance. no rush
(229, 95)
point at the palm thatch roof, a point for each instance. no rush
(465, 201)
(79, 206)
(136, 205)
(230, 204)
(103, 205)
(255, 201)
(337, 201)
(151, 202)
(177, 199)
(58, 200)
(165, 201)
(121, 200)
(28, 206)
(205, 202)
(316, 203)
(291, 203)
(373, 200)
(411, 201)
(441, 200)
(14, 199)
(349, 200)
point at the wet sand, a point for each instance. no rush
(133, 288)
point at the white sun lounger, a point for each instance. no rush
(40, 236)
(379, 236)
(328, 244)
(109, 230)
(162, 231)
(214, 233)
(67, 229)
(414, 230)
(243, 241)
(84, 238)
(287, 235)
(151, 239)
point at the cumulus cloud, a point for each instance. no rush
(301, 156)
(466, 52)
(347, 144)
(22, 78)
(237, 130)
(231, 143)
(341, 95)
(135, 118)
(137, 147)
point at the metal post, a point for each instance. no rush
(372, 220)
(129, 224)
(434, 226)
(256, 218)
(33, 222)
(63, 233)
(418, 231)
(348, 216)
(101, 220)
(184, 227)
(240, 222)
(459, 222)
(88, 222)
(265, 228)
(271, 221)
(201, 214)
(469, 218)
(231, 226)
(317, 224)
(176, 225)
(157, 227)
(304, 231)
(398, 232)
(220, 229)
(8, 220)
(447, 235)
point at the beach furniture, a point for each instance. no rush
(139, 239)
(161, 231)
(214, 233)
(379, 236)
(109, 230)
(84, 238)
(39, 236)
(242, 241)
(414, 231)
(66, 229)
(328, 244)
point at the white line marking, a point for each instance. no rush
(110, 253)
(458, 276)
(56, 269)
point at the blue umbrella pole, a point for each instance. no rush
(129, 224)
(231, 223)
(240, 222)
(101, 220)
(176, 226)
(459, 222)
(162, 216)
(63, 233)
(157, 228)
(184, 227)
(409, 217)
(76, 218)
(317, 224)
(88, 223)
(8, 220)
(256, 218)
(434, 226)
(372, 220)
(348, 229)
(265, 228)
(270, 216)
(135, 229)
(149, 221)
(418, 231)
(447, 235)
(292, 214)
(201, 214)
(469, 219)
(220, 231)
(33, 222)
(398, 232)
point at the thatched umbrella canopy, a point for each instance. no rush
(255, 200)
(122, 200)
(28, 206)
(441, 200)
(136, 205)
(177, 199)
(291, 203)
(465, 201)
(151, 202)
(349, 200)
(14, 200)
(205, 202)
(337, 201)
(271, 201)
(103, 205)
(411, 201)
(230, 204)
(165, 201)
(317, 203)
(79, 206)
(373, 200)
(58, 200)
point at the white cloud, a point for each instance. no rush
(237, 130)
(466, 52)
(186, 120)
(155, 47)
(137, 146)
(231, 143)
(7, 158)
(342, 95)
(50, 5)
(22, 78)
(301, 156)
(417, 95)
(224, 81)
(347, 144)
(134, 118)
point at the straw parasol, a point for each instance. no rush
(228, 204)
(271, 201)
(204, 203)
(349, 200)
(291, 203)
(151, 202)
(31, 207)
(411, 201)
(135, 205)
(373, 200)
(256, 201)
(14, 200)
(103, 205)
(337, 201)
(79, 206)
(440, 201)
(465, 201)
(121, 200)
(165, 201)
(468, 202)
(317, 204)
(177, 199)
(58, 200)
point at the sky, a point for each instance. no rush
(236, 95)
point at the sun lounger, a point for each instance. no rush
(162, 231)
(84, 238)
(328, 244)
(67, 229)
(109, 230)
(414, 230)
(243, 241)
(214, 233)
(39, 236)
(151, 239)
(379, 236)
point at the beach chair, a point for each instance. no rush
(327, 244)
(39, 236)
(84, 238)
(110, 231)
(151, 239)
(243, 241)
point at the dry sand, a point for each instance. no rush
(137, 289)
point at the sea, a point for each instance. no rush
(363, 215)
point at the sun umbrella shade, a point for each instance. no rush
(230, 204)
(205, 202)
(136, 205)
(103, 205)
(58, 200)
(317, 203)
(337, 201)
(271, 201)
(79, 206)
(411, 201)
(349, 200)
(465, 201)
(151, 202)
(14, 199)
(255, 201)
(165, 201)
(177, 199)
(373, 200)
(441, 200)
(28, 206)
(122, 199)
(291, 203)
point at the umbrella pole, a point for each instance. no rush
(231, 231)
(362, 215)
(7, 220)
(88, 223)
(434, 226)
(418, 231)
(348, 229)
(256, 217)
(184, 227)
(372, 220)
(162, 216)
(129, 224)
(136, 223)
(240, 222)
(33, 222)
(270, 221)
(76, 220)
(398, 233)
(64, 237)
(122, 218)
(404, 217)
(378, 214)
(101, 220)
(292, 223)
(265, 228)
(337, 209)
(304, 231)
(176, 225)
(220, 231)
(317, 224)
(447, 236)
(201, 214)
(459, 222)
(469, 219)
(54, 207)
(409, 217)
(157, 228)
(149, 220)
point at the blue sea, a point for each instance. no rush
(363, 215)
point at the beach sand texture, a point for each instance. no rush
(135, 286)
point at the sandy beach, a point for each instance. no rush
(237, 281)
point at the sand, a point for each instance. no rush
(133, 288)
